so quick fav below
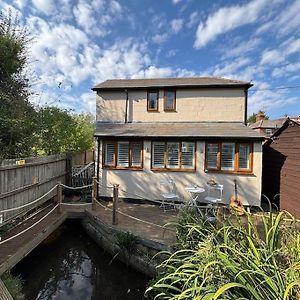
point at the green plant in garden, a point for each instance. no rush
(126, 241)
(14, 285)
(253, 257)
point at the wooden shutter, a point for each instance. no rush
(227, 156)
(158, 155)
(109, 154)
(244, 156)
(123, 154)
(173, 155)
(212, 150)
(136, 154)
(187, 155)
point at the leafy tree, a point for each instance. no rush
(16, 113)
(60, 131)
(252, 118)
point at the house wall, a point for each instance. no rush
(191, 105)
(281, 170)
(146, 183)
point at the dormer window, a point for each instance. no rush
(152, 101)
(170, 100)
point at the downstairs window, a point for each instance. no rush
(229, 157)
(173, 156)
(123, 154)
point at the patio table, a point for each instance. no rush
(194, 192)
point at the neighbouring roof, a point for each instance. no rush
(177, 129)
(115, 84)
(286, 124)
(277, 123)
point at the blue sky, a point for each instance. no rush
(78, 44)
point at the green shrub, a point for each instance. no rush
(126, 241)
(233, 259)
(14, 285)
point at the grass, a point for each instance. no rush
(14, 285)
(232, 258)
(126, 241)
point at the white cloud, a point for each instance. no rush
(153, 72)
(268, 99)
(230, 69)
(271, 57)
(282, 53)
(226, 19)
(46, 7)
(160, 38)
(88, 103)
(241, 48)
(193, 19)
(176, 25)
(20, 3)
(176, 1)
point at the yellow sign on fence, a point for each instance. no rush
(20, 162)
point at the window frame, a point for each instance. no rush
(115, 166)
(157, 101)
(180, 169)
(236, 169)
(165, 100)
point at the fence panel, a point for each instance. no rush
(22, 182)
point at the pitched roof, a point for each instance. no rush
(268, 123)
(115, 84)
(286, 124)
(177, 129)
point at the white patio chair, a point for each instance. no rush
(214, 197)
(214, 194)
(169, 195)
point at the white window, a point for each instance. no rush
(109, 154)
(244, 156)
(212, 150)
(229, 157)
(123, 154)
(158, 155)
(173, 155)
(227, 160)
(187, 155)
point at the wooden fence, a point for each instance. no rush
(24, 180)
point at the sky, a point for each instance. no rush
(77, 44)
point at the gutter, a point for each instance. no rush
(246, 106)
(126, 106)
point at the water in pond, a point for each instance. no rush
(70, 265)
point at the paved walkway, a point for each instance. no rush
(147, 212)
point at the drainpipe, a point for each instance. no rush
(126, 106)
(98, 165)
(246, 106)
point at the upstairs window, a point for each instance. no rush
(170, 100)
(123, 155)
(229, 157)
(152, 101)
(173, 156)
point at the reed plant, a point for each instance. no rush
(256, 257)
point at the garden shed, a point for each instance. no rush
(281, 167)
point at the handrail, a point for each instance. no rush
(83, 169)
(34, 224)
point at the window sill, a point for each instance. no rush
(173, 170)
(230, 172)
(153, 111)
(123, 168)
(170, 110)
